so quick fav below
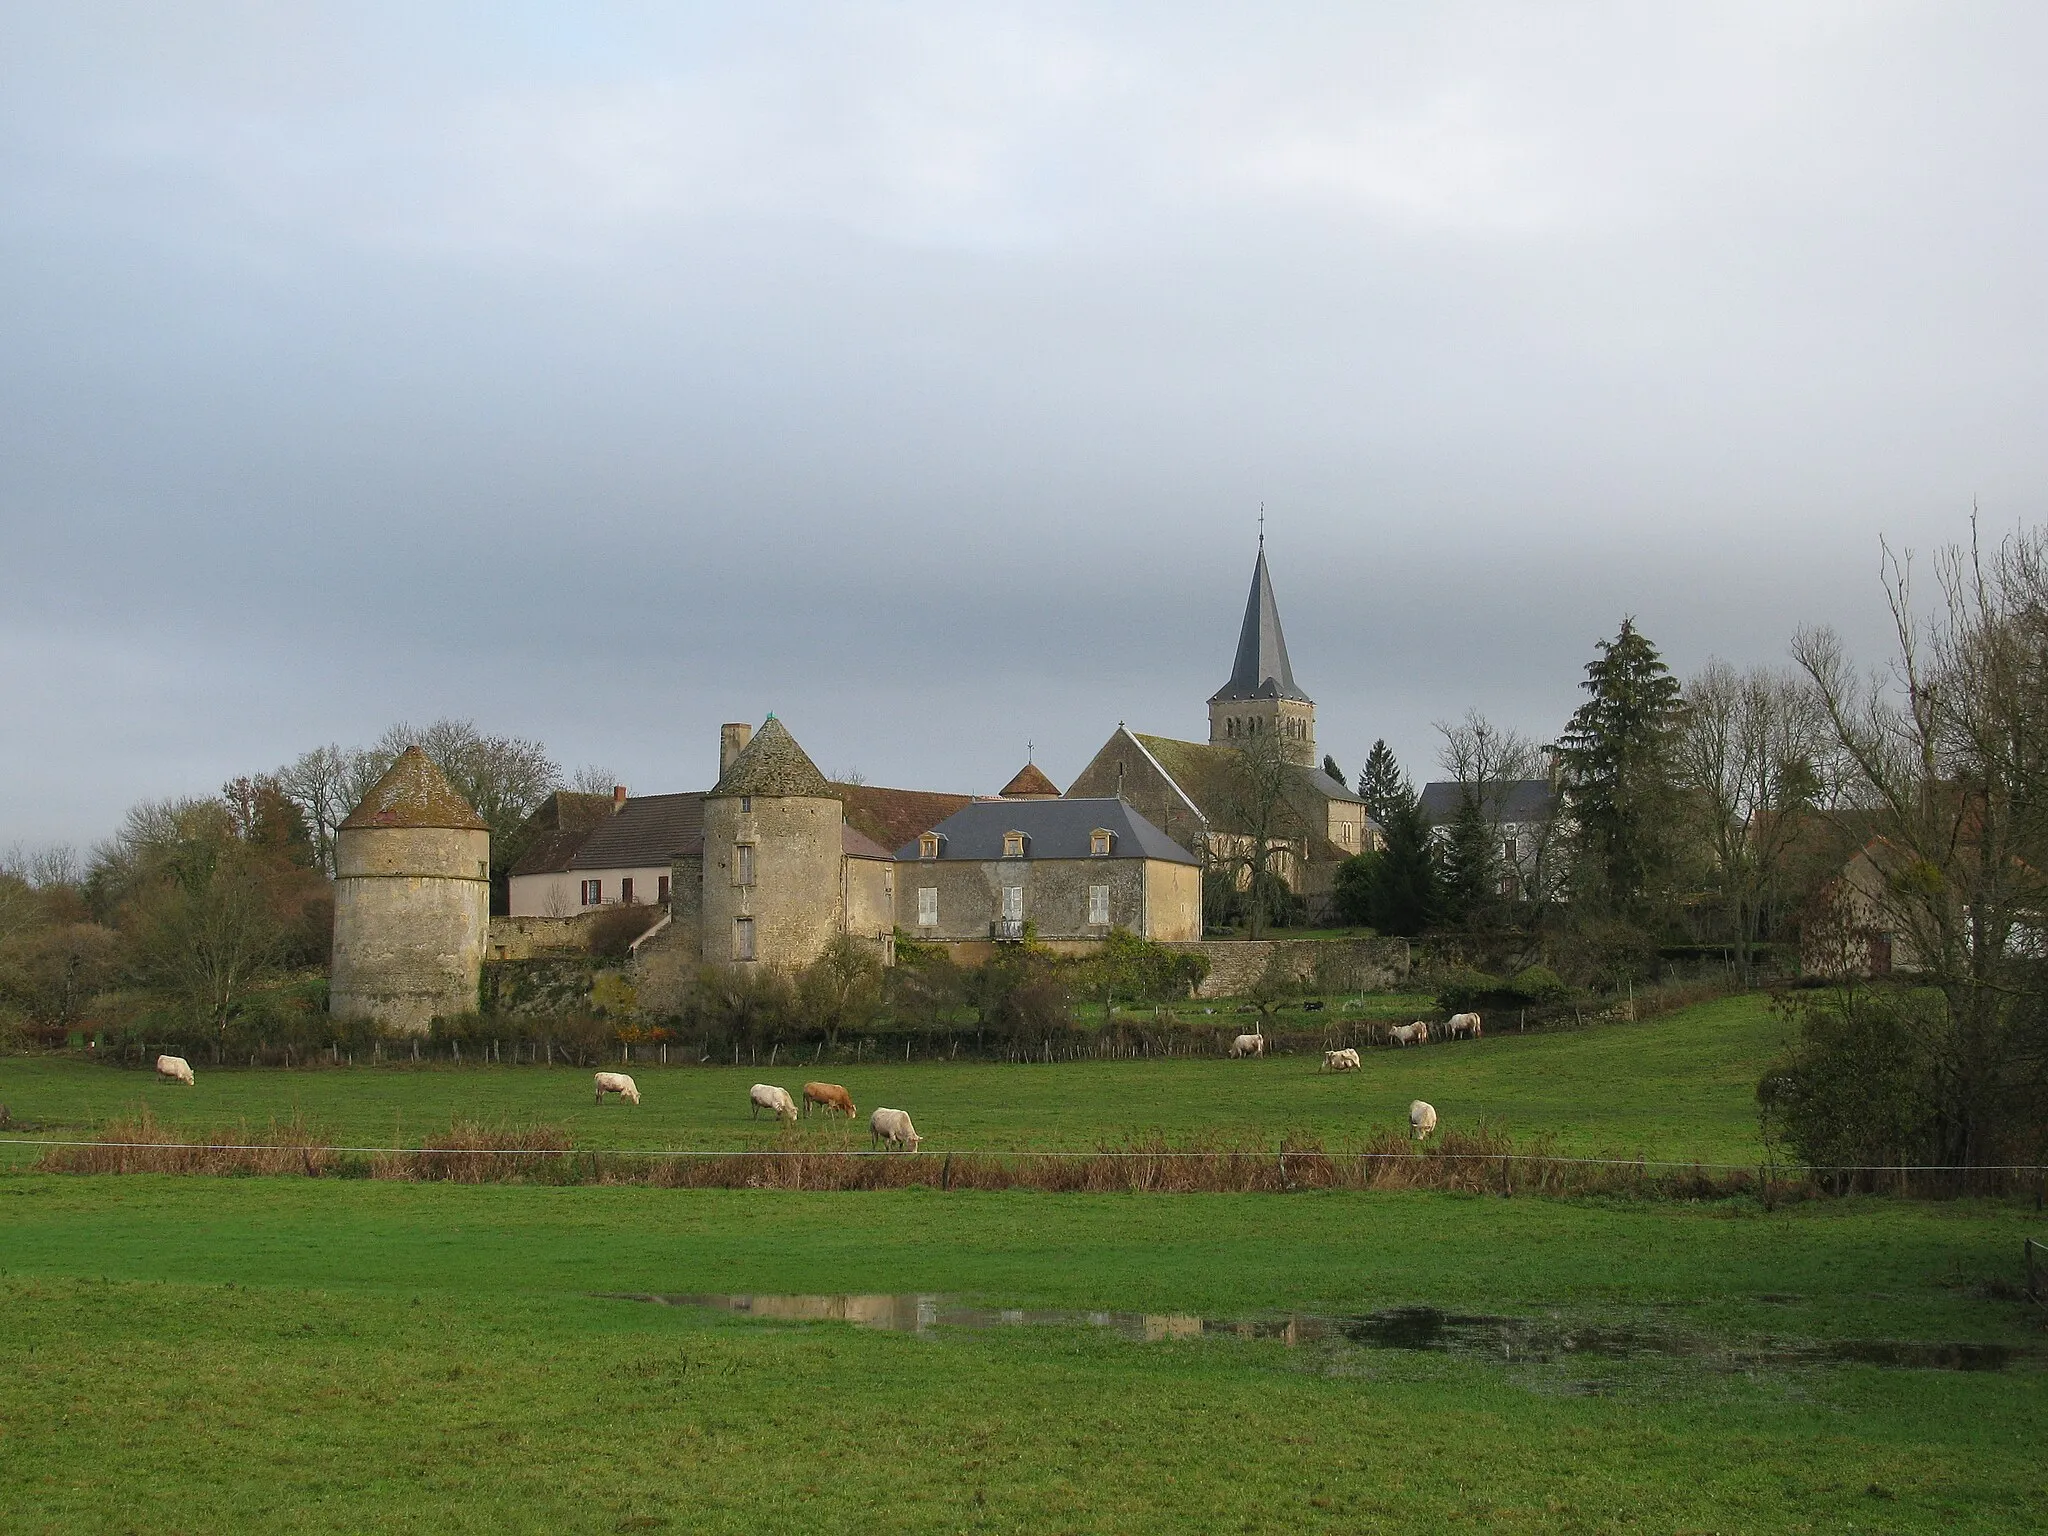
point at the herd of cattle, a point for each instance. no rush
(892, 1127)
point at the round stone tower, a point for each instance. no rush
(774, 851)
(412, 900)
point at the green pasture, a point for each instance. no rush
(319, 1355)
(1681, 1086)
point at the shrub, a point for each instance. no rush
(1465, 989)
(613, 931)
(1539, 984)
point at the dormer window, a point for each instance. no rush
(1013, 845)
(928, 845)
(1099, 842)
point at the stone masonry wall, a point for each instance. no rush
(1328, 965)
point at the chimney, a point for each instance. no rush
(618, 798)
(732, 741)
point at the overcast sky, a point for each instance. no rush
(917, 372)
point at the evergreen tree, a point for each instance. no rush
(1471, 865)
(1330, 767)
(1381, 785)
(1618, 761)
(1393, 889)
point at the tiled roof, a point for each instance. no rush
(773, 764)
(855, 845)
(1031, 784)
(414, 793)
(894, 816)
(556, 829)
(650, 830)
(1053, 829)
(1207, 774)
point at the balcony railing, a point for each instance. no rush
(1006, 928)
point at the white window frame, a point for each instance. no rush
(1098, 906)
(927, 906)
(1013, 903)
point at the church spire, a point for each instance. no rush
(1262, 670)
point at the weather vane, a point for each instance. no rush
(1262, 525)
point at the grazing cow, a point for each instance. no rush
(176, 1068)
(619, 1083)
(828, 1096)
(1421, 1120)
(1248, 1045)
(1409, 1034)
(1464, 1024)
(894, 1127)
(1345, 1060)
(773, 1099)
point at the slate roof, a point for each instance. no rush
(1030, 783)
(1261, 670)
(650, 830)
(414, 793)
(893, 816)
(1519, 800)
(1053, 829)
(773, 764)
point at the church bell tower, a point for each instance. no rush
(1262, 697)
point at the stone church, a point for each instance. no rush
(1198, 792)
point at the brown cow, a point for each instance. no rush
(828, 1096)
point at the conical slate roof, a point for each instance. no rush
(1261, 671)
(773, 764)
(1030, 784)
(414, 793)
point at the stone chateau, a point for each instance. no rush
(774, 861)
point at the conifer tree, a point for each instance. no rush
(1395, 888)
(1618, 762)
(1471, 865)
(1381, 785)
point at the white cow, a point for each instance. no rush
(1345, 1060)
(773, 1099)
(1421, 1120)
(1409, 1034)
(894, 1127)
(176, 1068)
(1464, 1024)
(619, 1083)
(1248, 1045)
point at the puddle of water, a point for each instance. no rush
(1509, 1340)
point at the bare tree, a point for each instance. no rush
(592, 779)
(1947, 755)
(1746, 754)
(326, 784)
(1262, 823)
(1486, 761)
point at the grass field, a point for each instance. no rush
(292, 1354)
(1681, 1086)
(285, 1354)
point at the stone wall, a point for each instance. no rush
(1326, 965)
(411, 915)
(522, 938)
(1055, 895)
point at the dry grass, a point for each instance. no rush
(1485, 1161)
